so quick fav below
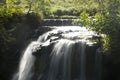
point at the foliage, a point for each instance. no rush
(73, 7)
(63, 8)
(84, 18)
(7, 11)
(41, 7)
(12, 12)
(105, 21)
(90, 6)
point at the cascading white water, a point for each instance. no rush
(82, 61)
(65, 40)
(61, 52)
(26, 64)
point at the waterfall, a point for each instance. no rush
(61, 44)
(26, 64)
(58, 22)
(82, 62)
(60, 61)
(98, 64)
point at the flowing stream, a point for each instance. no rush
(66, 49)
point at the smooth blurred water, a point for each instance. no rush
(65, 40)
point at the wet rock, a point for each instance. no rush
(44, 50)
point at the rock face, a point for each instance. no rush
(43, 50)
